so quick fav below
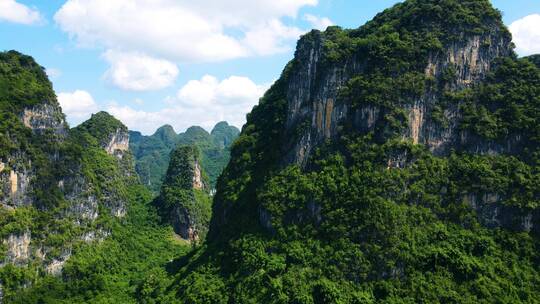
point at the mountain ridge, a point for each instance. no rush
(74, 217)
(402, 168)
(152, 152)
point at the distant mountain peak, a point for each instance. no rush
(166, 133)
(165, 128)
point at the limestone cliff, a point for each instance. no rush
(55, 183)
(419, 80)
(316, 109)
(184, 200)
(322, 103)
(45, 117)
(118, 143)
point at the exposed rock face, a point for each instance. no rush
(15, 182)
(118, 143)
(493, 214)
(313, 94)
(118, 209)
(18, 172)
(45, 117)
(197, 176)
(85, 208)
(53, 173)
(56, 266)
(185, 224)
(95, 236)
(18, 248)
(317, 112)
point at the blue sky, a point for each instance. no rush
(185, 62)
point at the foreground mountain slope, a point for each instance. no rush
(75, 222)
(152, 152)
(394, 163)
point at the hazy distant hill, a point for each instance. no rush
(152, 153)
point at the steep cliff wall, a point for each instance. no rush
(15, 180)
(118, 143)
(395, 162)
(58, 187)
(326, 98)
(316, 108)
(45, 117)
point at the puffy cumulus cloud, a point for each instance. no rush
(201, 102)
(77, 105)
(319, 23)
(12, 11)
(270, 38)
(241, 12)
(143, 121)
(526, 34)
(183, 30)
(210, 91)
(138, 72)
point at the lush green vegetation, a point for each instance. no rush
(112, 259)
(534, 59)
(23, 83)
(116, 270)
(98, 130)
(372, 218)
(152, 152)
(181, 202)
(506, 105)
(353, 226)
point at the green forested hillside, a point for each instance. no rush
(431, 197)
(129, 266)
(184, 200)
(152, 152)
(76, 225)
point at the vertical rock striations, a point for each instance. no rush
(316, 105)
(45, 117)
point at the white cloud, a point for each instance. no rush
(270, 38)
(201, 102)
(12, 11)
(53, 73)
(319, 23)
(77, 105)
(183, 30)
(526, 34)
(138, 72)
